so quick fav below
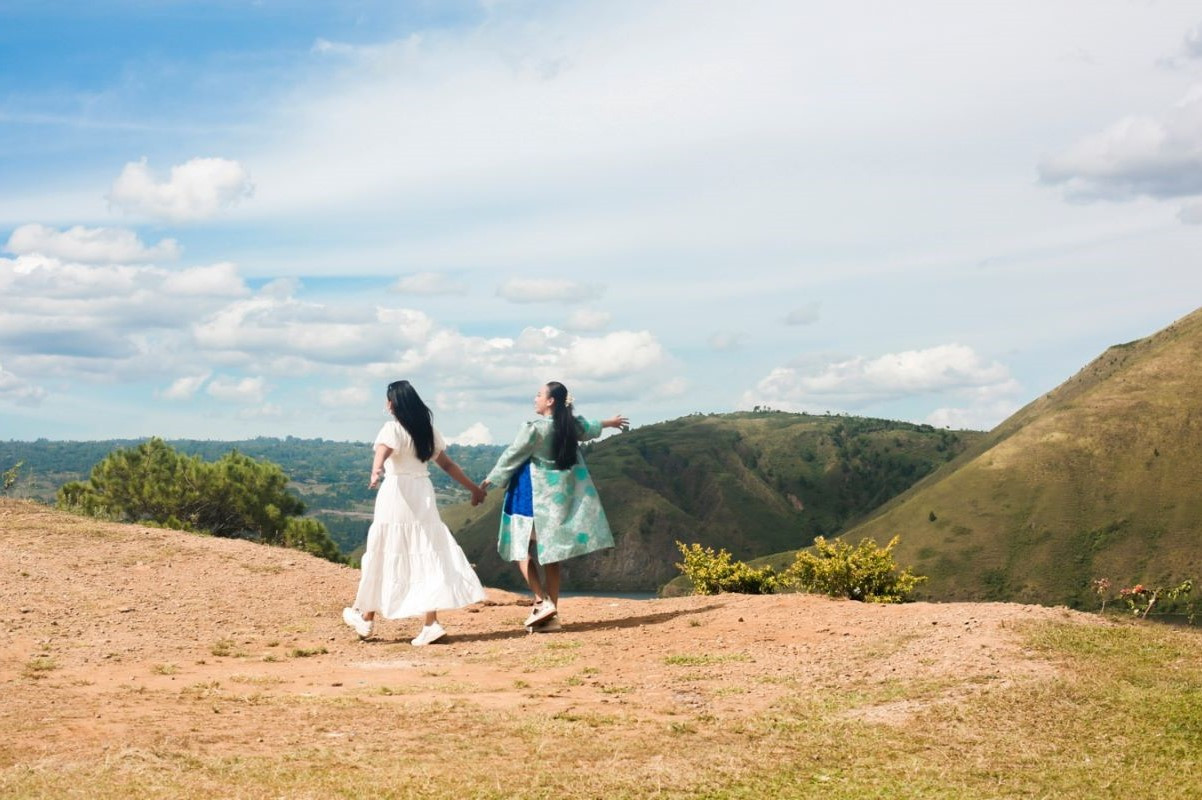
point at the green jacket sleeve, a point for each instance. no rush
(589, 428)
(524, 445)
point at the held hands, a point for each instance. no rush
(479, 493)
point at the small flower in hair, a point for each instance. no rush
(568, 400)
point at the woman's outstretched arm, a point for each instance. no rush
(616, 421)
(449, 466)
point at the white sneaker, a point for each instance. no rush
(430, 633)
(352, 617)
(548, 625)
(540, 612)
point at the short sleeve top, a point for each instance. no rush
(404, 460)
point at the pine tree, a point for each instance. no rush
(235, 496)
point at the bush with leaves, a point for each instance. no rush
(11, 475)
(864, 572)
(1172, 599)
(711, 573)
(233, 496)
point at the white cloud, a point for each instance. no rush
(89, 245)
(1193, 42)
(197, 189)
(586, 320)
(518, 290)
(804, 315)
(274, 323)
(216, 280)
(617, 353)
(672, 387)
(727, 340)
(183, 388)
(469, 370)
(859, 381)
(347, 397)
(474, 434)
(1136, 156)
(265, 411)
(428, 283)
(234, 390)
(976, 417)
(1191, 213)
(18, 391)
(136, 316)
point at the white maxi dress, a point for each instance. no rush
(411, 563)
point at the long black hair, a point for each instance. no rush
(415, 417)
(563, 431)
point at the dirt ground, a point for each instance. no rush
(117, 636)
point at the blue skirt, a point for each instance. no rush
(519, 495)
(517, 517)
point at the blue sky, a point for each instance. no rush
(225, 219)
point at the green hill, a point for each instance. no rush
(1098, 478)
(752, 483)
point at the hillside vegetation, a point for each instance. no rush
(329, 476)
(1098, 478)
(752, 483)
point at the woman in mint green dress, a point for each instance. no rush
(550, 498)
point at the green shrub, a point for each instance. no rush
(11, 475)
(865, 572)
(235, 495)
(712, 572)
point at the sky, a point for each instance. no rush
(222, 220)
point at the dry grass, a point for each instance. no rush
(1123, 718)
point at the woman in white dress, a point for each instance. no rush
(412, 565)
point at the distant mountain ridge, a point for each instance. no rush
(1099, 478)
(750, 482)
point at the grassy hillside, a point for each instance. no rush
(1098, 478)
(753, 483)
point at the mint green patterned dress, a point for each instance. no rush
(560, 508)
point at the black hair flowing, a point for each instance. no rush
(563, 431)
(415, 417)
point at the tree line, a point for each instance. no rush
(234, 496)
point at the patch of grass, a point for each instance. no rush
(263, 569)
(38, 666)
(307, 652)
(257, 680)
(554, 657)
(164, 669)
(563, 644)
(223, 648)
(392, 691)
(728, 690)
(201, 691)
(703, 659)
